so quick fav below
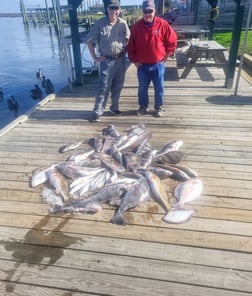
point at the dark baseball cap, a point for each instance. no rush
(148, 5)
(114, 3)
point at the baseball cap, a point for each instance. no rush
(114, 3)
(148, 5)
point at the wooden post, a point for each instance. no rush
(73, 5)
(23, 11)
(48, 14)
(56, 16)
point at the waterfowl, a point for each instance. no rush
(44, 81)
(36, 93)
(39, 74)
(49, 87)
(13, 105)
(1, 94)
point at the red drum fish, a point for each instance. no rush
(187, 192)
(157, 189)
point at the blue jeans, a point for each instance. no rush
(145, 74)
(111, 79)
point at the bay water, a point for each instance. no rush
(23, 50)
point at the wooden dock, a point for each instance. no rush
(211, 255)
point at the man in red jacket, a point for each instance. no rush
(151, 42)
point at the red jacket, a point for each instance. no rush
(149, 45)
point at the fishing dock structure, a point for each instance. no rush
(62, 254)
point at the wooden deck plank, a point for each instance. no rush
(128, 266)
(211, 239)
(204, 212)
(101, 284)
(134, 248)
(85, 254)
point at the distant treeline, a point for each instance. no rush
(10, 14)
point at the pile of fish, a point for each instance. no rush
(121, 170)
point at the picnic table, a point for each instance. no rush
(191, 31)
(205, 53)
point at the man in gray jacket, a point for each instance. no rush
(110, 34)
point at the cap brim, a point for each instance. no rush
(150, 8)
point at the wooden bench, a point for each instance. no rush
(182, 53)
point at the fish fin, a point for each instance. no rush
(118, 219)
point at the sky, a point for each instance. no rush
(13, 5)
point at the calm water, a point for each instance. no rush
(22, 53)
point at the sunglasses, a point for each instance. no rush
(147, 11)
(113, 8)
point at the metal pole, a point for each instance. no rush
(243, 48)
(48, 14)
(234, 46)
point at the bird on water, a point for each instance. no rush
(36, 93)
(13, 105)
(48, 86)
(1, 94)
(39, 74)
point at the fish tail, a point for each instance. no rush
(118, 219)
(56, 209)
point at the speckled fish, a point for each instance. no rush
(157, 189)
(69, 147)
(171, 146)
(109, 194)
(143, 147)
(187, 192)
(89, 163)
(190, 172)
(146, 158)
(108, 142)
(80, 157)
(131, 161)
(68, 170)
(134, 141)
(109, 162)
(136, 130)
(116, 154)
(172, 157)
(110, 130)
(137, 194)
(178, 216)
(96, 143)
(177, 174)
(131, 175)
(161, 172)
